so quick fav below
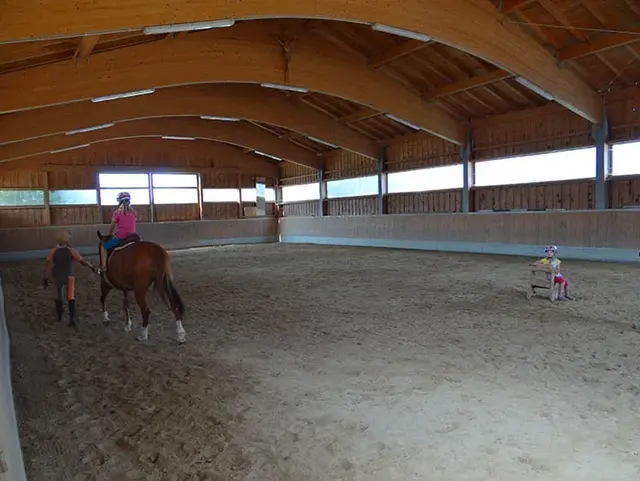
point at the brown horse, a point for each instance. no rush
(134, 266)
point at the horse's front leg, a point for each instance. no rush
(127, 313)
(141, 299)
(105, 288)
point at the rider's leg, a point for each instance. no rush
(110, 244)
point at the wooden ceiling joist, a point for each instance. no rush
(201, 58)
(599, 44)
(363, 114)
(406, 48)
(487, 37)
(468, 84)
(242, 134)
(511, 5)
(249, 102)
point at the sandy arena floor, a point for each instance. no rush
(327, 363)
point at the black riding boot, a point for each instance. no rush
(72, 313)
(59, 309)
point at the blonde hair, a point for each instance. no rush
(125, 207)
(63, 237)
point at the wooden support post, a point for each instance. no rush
(382, 182)
(200, 216)
(278, 206)
(600, 134)
(322, 187)
(261, 191)
(47, 199)
(152, 206)
(468, 173)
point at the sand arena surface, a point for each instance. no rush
(331, 363)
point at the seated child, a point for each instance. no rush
(60, 268)
(552, 260)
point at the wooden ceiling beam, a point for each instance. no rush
(249, 102)
(242, 134)
(598, 44)
(633, 5)
(85, 47)
(505, 45)
(146, 153)
(510, 5)
(406, 48)
(206, 58)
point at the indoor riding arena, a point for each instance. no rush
(362, 206)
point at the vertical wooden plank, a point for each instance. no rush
(47, 201)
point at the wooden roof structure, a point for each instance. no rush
(362, 72)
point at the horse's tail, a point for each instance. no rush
(168, 291)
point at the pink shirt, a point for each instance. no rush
(126, 222)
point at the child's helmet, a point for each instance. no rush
(551, 248)
(123, 197)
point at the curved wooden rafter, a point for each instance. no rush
(505, 45)
(241, 134)
(247, 102)
(206, 58)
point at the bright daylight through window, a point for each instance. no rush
(300, 193)
(421, 180)
(565, 165)
(625, 159)
(356, 187)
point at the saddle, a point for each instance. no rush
(126, 242)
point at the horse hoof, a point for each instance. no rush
(127, 328)
(144, 334)
(181, 339)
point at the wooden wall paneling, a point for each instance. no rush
(344, 164)
(543, 129)
(294, 174)
(23, 217)
(623, 109)
(176, 212)
(73, 178)
(301, 209)
(75, 215)
(625, 192)
(220, 210)
(23, 179)
(211, 179)
(419, 151)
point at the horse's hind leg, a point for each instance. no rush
(127, 313)
(105, 288)
(141, 299)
